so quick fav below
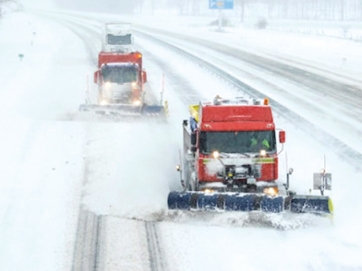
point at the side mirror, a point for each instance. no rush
(96, 77)
(282, 136)
(144, 76)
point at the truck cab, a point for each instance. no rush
(117, 37)
(120, 78)
(119, 83)
(233, 144)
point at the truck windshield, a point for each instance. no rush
(119, 74)
(238, 141)
(119, 40)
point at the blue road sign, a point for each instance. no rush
(221, 4)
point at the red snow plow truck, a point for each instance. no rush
(120, 77)
(230, 162)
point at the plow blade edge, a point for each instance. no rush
(249, 202)
(311, 204)
(126, 110)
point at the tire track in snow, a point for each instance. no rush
(88, 238)
(154, 248)
(86, 248)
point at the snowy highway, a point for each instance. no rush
(314, 87)
(85, 193)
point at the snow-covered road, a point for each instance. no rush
(41, 156)
(54, 162)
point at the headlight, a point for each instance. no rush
(271, 191)
(104, 102)
(107, 85)
(137, 102)
(262, 153)
(215, 154)
(134, 84)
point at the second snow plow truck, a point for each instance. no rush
(120, 77)
(230, 162)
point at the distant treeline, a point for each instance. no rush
(243, 9)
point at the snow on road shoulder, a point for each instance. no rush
(41, 172)
(40, 180)
(39, 64)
